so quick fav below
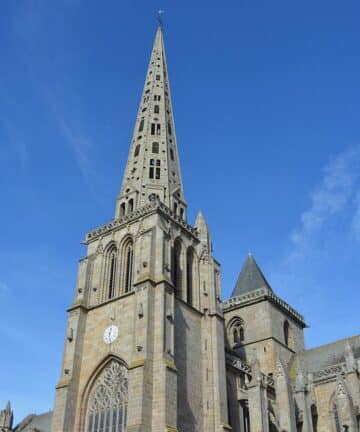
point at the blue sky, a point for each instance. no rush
(267, 101)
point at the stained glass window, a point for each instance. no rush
(107, 406)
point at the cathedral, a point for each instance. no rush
(150, 344)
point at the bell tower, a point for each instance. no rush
(144, 344)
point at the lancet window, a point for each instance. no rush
(127, 263)
(108, 401)
(110, 272)
(314, 417)
(176, 267)
(137, 150)
(189, 276)
(286, 333)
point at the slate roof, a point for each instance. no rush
(35, 422)
(251, 278)
(324, 356)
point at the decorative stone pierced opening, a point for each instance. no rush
(107, 404)
(236, 332)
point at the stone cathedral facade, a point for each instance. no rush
(151, 346)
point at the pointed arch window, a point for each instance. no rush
(110, 272)
(286, 333)
(128, 268)
(314, 417)
(108, 400)
(176, 268)
(141, 125)
(122, 210)
(189, 275)
(127, 263)
(131, 206)
(236, 332)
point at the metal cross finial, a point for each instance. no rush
(160, 12)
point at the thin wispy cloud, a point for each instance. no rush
(71, 130)
(337, 193)
(4, 289)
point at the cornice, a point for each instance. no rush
(148, 209)
(260, 295)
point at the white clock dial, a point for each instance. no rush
(110, 334)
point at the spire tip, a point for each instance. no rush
(159, 18)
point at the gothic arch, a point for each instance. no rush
(288, 336)
(235, 331)
(192, 277)
(177, 267)
(105, 397)
(126, 264)
(110, 268)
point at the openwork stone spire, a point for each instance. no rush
(153, 169)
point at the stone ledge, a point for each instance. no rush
(157, 206)
(171, 429)
(263, 294)
(136, 364)
(62, 384)
(170, 365)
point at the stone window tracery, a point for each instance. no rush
(236, 332)
(127, 263)
(107, 403)
(110, 272)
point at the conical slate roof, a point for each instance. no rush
(251, 278)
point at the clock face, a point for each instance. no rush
(110, 334)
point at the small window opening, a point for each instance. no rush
(181, 213)
(131, 206)
(156, 109)
(155, 147)
(122, 209)
(157, 77)
(286, 333)
(175, 208)
(137, 150)
(169, 128)
(171, 154)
